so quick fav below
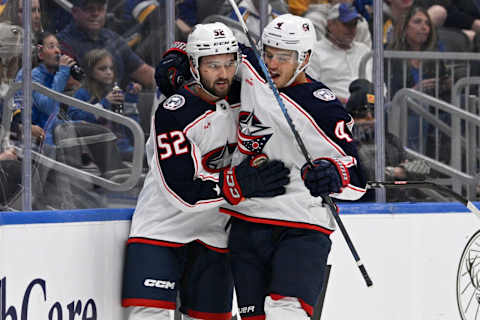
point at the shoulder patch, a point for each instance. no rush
(174, 102)
(324, 94)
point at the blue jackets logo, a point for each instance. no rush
(76, 309)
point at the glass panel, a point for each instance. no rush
(102, 55)
(120, 43)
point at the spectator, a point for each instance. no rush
(318, 13)
(10, 178)
(251, 15)
(416, 33)
(463, 15)
(398, 165)
(395, 10)
(87, 32)
(36, 25)
(11, 39)
(55, 17)
(98, 89)
(337, 56)
(150, 39)
(298, 7)
(53, 72)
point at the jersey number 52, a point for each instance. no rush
(171, 143)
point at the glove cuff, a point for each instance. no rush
(178, 46)
(341, 169)
(230, 188)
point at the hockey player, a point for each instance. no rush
(178, 239)
(279, 247)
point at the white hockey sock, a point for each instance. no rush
(285, 308)
(143, 313)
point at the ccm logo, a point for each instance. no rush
(162, 284)
(248, 309)
(231, 184)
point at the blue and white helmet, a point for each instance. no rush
(291, 32)
(210, 39)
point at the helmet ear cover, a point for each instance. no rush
(210, 39)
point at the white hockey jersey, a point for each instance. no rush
(190, 141)
(324, 126)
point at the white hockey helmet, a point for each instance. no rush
(291, 32)
(210, 39)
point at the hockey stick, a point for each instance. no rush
(326, 199)
(426, 185)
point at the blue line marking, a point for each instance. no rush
(125, 214)
(88, 215)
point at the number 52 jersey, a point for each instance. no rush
(191, 140)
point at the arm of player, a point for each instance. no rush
(189, 187)
(337, 168)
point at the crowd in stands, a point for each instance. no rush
(118, 44)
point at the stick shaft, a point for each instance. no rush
(427, 185)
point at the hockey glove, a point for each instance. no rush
(173, 70)
(326, 176)
(247, 180)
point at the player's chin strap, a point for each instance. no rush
(299, 70)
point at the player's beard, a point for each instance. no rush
(211, 87)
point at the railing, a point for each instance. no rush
(406, 99)
(137, 132)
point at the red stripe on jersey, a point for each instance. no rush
(155, 242)
(149, 303)
(252, 69)
(220, 250)
(284, 223)
(209, 315)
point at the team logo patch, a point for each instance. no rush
(253, 135)
(174, 102)
(324, 94)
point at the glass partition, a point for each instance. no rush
(93, 93)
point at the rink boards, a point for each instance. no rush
(70, 263)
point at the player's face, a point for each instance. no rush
(281, 64)
(216, 73)
(103, 71)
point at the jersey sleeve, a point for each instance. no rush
(332, 126)
(178, 168)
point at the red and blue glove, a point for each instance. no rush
(173, 70)
(326, 176)
(251, 179)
